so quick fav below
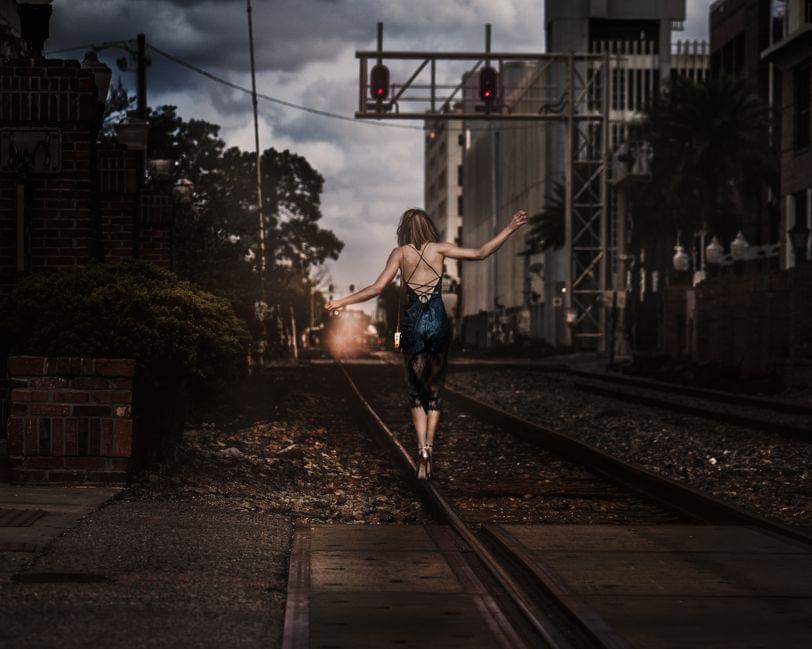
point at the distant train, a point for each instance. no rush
(349, 333)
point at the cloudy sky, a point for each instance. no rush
(306, 54)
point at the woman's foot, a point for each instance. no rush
(423, 459)
(428, 462)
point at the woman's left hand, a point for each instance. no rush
(333, 305)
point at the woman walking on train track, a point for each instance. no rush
(423, 332)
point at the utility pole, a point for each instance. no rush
(256, 146)
(141, 60)
(141, 113)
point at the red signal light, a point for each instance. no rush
(488, 83)
(379, 81)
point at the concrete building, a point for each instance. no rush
(503, 172)
(791, 53)
(740, 30)
(443, 158)
(510, 165)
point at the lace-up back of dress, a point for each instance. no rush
(421, 277)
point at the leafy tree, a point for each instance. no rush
(217, 239)
(548, 227)
(712, 159)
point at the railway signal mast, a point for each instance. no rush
(574, 95)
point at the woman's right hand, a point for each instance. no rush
(518, 219)
(333, 306)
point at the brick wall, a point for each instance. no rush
(71, 419)
(757, 323)
(87, 199)
(42, 94)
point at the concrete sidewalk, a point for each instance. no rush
(157, 574)
(41, 513)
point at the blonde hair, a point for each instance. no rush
(416, 228)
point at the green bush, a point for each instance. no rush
(127, 309)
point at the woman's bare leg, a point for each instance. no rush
(419, 423)
(433, 420)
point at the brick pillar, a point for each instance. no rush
(71, 419)
(47, 105)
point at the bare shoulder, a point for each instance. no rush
(440, 247)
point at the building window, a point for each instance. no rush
(459, 175)
(801, 105)
(461, 138)
(459, 205)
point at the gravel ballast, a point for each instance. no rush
(761, 471)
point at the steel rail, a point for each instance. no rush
(443, 508)
(772, 426)
(710, 394)
(678, 496)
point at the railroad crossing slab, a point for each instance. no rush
(670, 586)
(359, 586)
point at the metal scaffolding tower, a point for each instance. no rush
(575, 96)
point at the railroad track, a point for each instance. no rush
(792, 420)
(554, 478)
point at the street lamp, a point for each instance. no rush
(183, 191)
(799, 238)
(133, 133)
(714, 252)
(101, 73)
(161, 169)
(739, 247)
(680, 259)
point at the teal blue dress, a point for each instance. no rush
(425, 335)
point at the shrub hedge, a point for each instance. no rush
(130, 309)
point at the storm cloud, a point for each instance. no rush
(305, 53)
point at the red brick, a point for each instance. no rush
(72, 397)
(122, 443)
(57, 436)
(66, 476)
(19, 409)
(16, 436)
(122, 411)
(107, 476)
(71, 441)
(26, 366)
(50, 410)
(48, 382)
(41, 462)
(91, 411)
(27, 475)
(106, 443)
(119, 463)
(31, 437)
(121, 384)
(112, 396)
(85, 462)
(89, 383)
(115, 366)
(24, 394)
(94, 437)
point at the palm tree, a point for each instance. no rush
(548, 227)
(712, 157)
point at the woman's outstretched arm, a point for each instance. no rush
(518, 219)
(373, 289)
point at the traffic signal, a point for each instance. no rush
(379, 82)
(488, 84)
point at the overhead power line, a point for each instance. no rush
(275, 100)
